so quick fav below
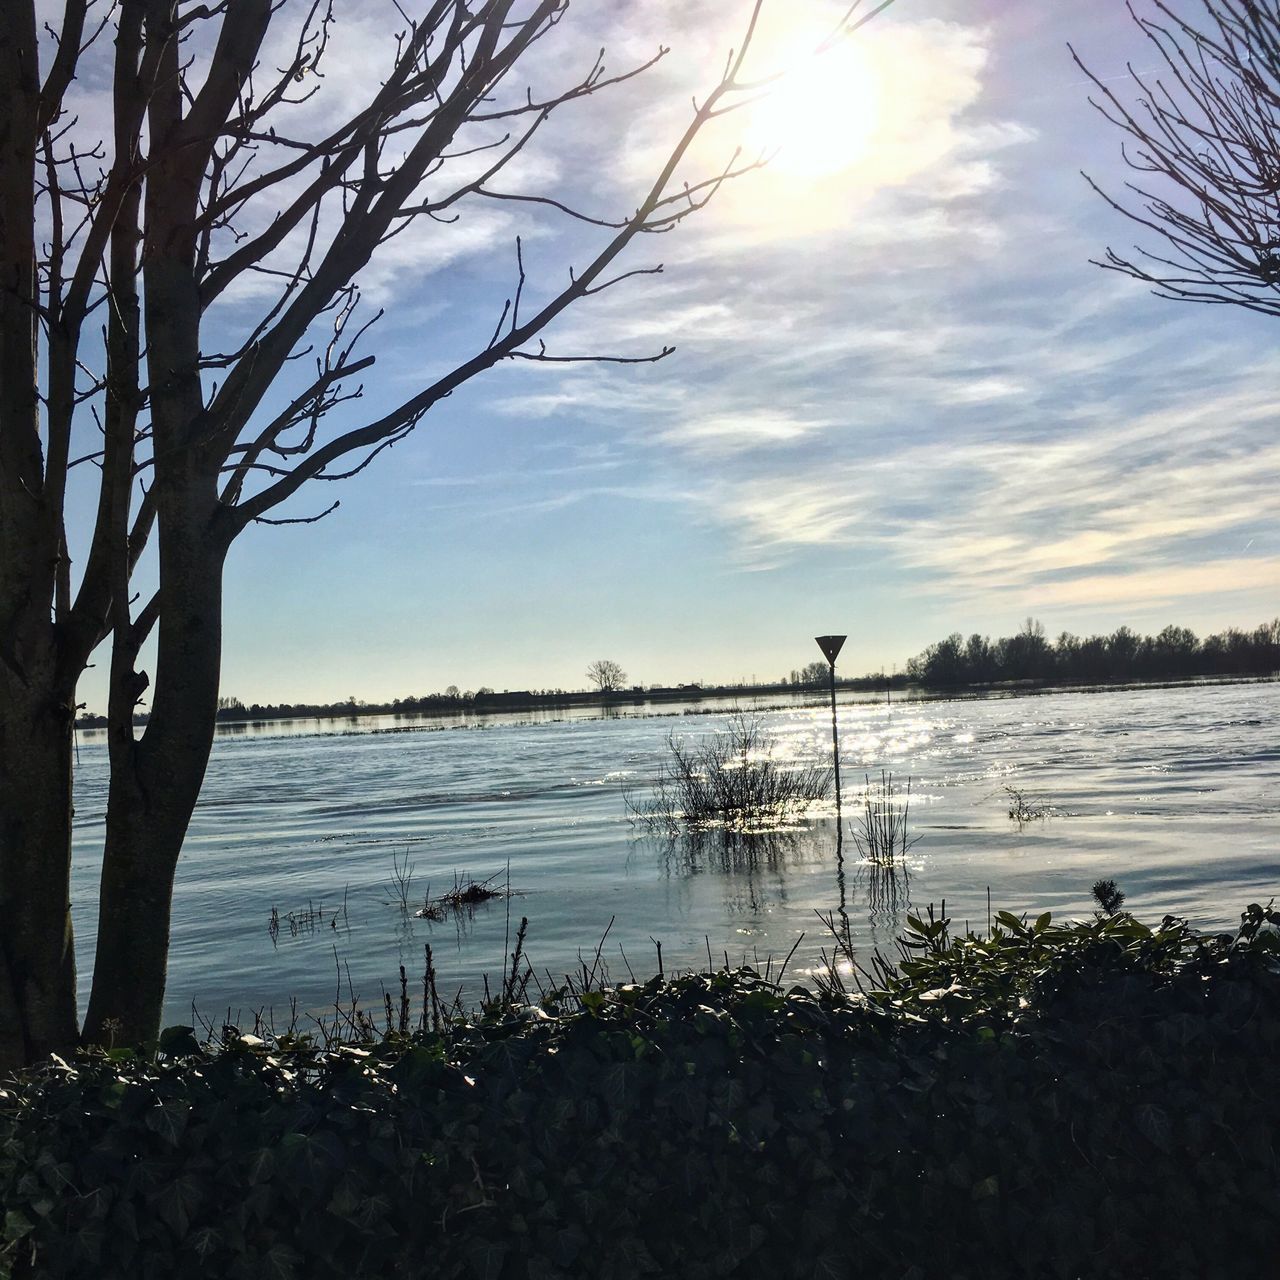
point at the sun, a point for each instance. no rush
(821, 117)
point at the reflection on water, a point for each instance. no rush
(879, 892)
(886, 890)
(1173, 793)
(756, 867)
(730, 851)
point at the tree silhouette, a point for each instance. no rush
(607, 676)
(1204, 133)
(179, 320)
(815, 673)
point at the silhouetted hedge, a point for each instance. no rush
(1091, 1100)
(1175, 654)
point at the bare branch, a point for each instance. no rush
(541, 357)
(64, 63)
(332, 507)
(1205, 130)
(551, 203)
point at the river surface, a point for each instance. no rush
(1173, 792)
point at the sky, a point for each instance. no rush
(902, 402)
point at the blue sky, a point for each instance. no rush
(902, 402)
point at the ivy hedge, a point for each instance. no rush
(1084, 1100)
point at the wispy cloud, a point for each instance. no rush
(1060, 519)
(732, 433)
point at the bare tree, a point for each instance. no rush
(128, 265)
(606, 675)
(1204, 132)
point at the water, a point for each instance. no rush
(1173, 792)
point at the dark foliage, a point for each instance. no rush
(1175, 654)
(1095, 1099)
(1108, 895)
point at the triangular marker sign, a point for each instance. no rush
(830, 646)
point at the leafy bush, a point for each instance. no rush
(1093, 1099)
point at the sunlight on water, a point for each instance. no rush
(1171, 792)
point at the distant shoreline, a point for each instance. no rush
(875, 689)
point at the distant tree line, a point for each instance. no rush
(452, 699)
(607, 676)
(1175, 654)
(232, 708)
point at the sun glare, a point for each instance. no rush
(821, 117)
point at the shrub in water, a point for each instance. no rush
(732, 780)
(880, 834)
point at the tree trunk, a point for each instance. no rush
(144, 837)
(37, 959)
(155, 782)
(37, 964)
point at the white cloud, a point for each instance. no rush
(1167, 584)
(1043, 516)
(730, 433)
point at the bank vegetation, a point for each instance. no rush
(1094, 1098)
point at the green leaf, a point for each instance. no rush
(17, 1225)
(261, 1165)
(830, 1266)
(204, 1242)
(1153, 1124)
(178, 1041)
(177, 1200)
(280, 1262)
(113, 1094)
(485, 1257)
(762, 1001)
(169, 1120)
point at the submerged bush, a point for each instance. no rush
(1024, 808)
(1094, 1099)
(732, 780)
(880, 830)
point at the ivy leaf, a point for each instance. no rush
(204, 1242)
(486, 1257)
(169, 1120)
(830, 1266)
(17, 1225)
(178, 1041)
(177, 1201)
(261, 1166)
(1153, 1124)
(280, 1262)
